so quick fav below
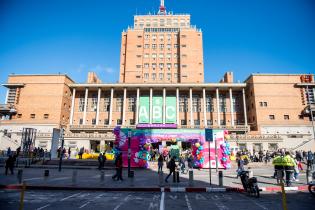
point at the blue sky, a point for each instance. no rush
(74, 36)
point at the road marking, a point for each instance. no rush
(121, 203)
(173, 197)
(60, 178)
(261, 206)
(32, 178)
(84, 205)
(162, 201)
(221, 206)
(188, 203)
(71, 196)
(200, 197)
(43, 207)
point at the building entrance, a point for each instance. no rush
(95, 145)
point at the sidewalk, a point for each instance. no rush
(144, 180)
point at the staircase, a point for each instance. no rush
(301, 144)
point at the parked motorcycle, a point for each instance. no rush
(250, 184)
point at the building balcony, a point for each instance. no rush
(7, 109)
(256, 137)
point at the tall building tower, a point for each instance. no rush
(162, 48)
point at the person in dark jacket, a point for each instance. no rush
(171, 165)
(9, 164)
(100, 161)
(118, 164)
(160, 164)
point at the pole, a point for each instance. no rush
(129, 153)
(62, 143)
(216, 154)
(22, 196)
(209, 165)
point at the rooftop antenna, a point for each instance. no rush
(162, 10)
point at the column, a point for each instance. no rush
(151, 93)
(85, 105)
(244, 107)
(177, 106)
(124, 107)
(191, 107)
(164, 105)
(72, 106)
(111, 106)
(218, 107)
(204, 107)
(137, 106)
(98, 106)
(231, 108)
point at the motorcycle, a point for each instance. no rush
(250, 184)
(311, 188)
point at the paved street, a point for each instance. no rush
(127, 200)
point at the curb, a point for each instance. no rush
(150, 189)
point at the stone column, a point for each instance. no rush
(204, 107)
(231, 108)
(124, 107)
(137, 106)
(177, 106)
(85, 105)
(111, 106)
(164, 105)
(98, 105)
(244, 107)
(191, 108)
(151, 95)
(72, 106)
(218, 107)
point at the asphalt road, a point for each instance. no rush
(68, 200)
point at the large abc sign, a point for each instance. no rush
(157, 109)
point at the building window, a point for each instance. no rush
(161, 55)
(147, 36)
(139, 46)
(119, 104)
(196, 103)
(209, 103)
(154, 46)
(81, 121)
(286, 117)
(168, 46)
(93, 121)
(119, 121)
(175, 75)
(154, 56)
(196, 122)
(106, 122)
(138, 66)
(183, 122)
(222, 103)
(175, 55)
(11, 96)
(209, 122)
(168, 76)
(46, 116)
(131, 122)
(222, 122)
(236, 104)
(271, 117)
(146, 65)
(146, 46)
(183, 104)
(146, 75)
(161, 46)
(131, 104)
(19, 116)
(153, 76)
(32, 116)
(94, 103)
(81, 103)
(106, 104)
(153, 66)
(169, 66)
(183, 45)
(175, 46)
(146, 55)
(138, 56)
(161, 76)
(184, 66)
(263, 104)
(169, 56)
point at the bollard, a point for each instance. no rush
(191, 177)
(221, 178)
(20, 175)
(46, 173)
(74, 176)
(177, 176)
(102, 175)
(22, 196)
(161, 180)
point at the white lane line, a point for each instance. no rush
(43, 207)
(162, 205)
(71, 196)
(188, 203)
(121, 203)
(32, 178)
(261, 206)
(221, 206)
(60, 178)
(84, 205)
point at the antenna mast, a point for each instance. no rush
(162, 10)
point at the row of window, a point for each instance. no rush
(163, 30)
(146, 76)
(32, 116)
(272, 117)
(161, 46)
(161, 65)
(160, 36)
(161, 56)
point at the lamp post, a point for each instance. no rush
(129, 153)
(62, 134)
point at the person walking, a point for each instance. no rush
(100, 161)
(160, 164)
(309, 158)
(9, 164)
(171, 166)
(279, 169)
(289, 164)
(104, 160)
(9, 152)
(81, 152)
(118, 165)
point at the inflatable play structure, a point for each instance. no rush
(141, 139)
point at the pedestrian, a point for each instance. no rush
(104, 160)
(69, 153)
(9, 164)
(160, 164)
(81, 152)
(171, 165)
(190, 161)
(240, 166)
(9, 152)
(279, 169)
(100, 161)
(296, 171)
(118, 165)
(182, 163)
(289, 164)
(309, 158)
